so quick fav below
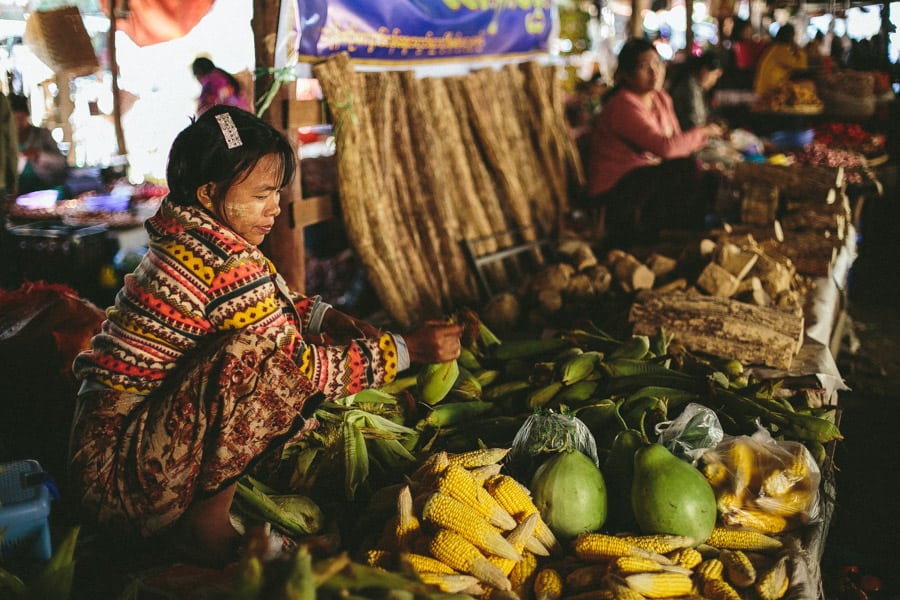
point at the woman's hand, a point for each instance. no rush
(341, 328)
(435, 341)
(713, 130)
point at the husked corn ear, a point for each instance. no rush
(777, 483)
(773, 583)
(548, 585)
(521, 577)
(728, 502)
(661, 543)
(686, 557)
(759, 520)
(621, 590)
(789, 504)
(711, 568)
(743, 463)
(518, 538)
(379, 558)
(478, 458)
(431, 467)
(588, 576)
(660, 585)
(534, 545)
(449, 513)
(733, 538)
(482, 474)
(408, 526)
(421, 563)
(738, 568)
(461, 555)
(449, 582)
(516, 500)
(599, 546)
(457, 482)
(716, 473)
(798, 468)
(629, 565)
(719, 589)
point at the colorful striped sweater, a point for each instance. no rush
(199, 279)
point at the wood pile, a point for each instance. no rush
(426, 163)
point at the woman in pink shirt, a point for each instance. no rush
(640, 166)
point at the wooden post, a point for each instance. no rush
(689, 26)
(636, 25)
(114, 73)
(284, 245)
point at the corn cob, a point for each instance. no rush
(431, 468)
(461, 555)
(548, 585)
(774, 582)
(521, 578)
(798, 468)
(478, 458)
(422, 563)
(759, 520)
(452, 583)
(599, 546)
(732, 538)
(598, 594)
(738, 568)
(661, 543)
(458, 483)
(716, 473)
(408, 526)
(630, 565)
(686, 557)
(660, 585)
(777, 483)
(709, 569)
(518, 538)
(482, 474)
(743, 464)
(449, 513)
(515, 499)
(791, 504)
(719, 589)
(621, 590)
(588, 576)
(379, 558)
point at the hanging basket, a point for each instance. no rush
(59, 39)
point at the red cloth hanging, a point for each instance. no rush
(154, 21)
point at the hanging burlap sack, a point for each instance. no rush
(59, 39)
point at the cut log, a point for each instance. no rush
(660, 264)
(676, 285)
(717, 281)
(722, 327)
(578, 253)
(751, 290)
(632, 274)
(735, 260)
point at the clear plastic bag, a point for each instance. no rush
(545, 434)
(764, 483)
(692, 433)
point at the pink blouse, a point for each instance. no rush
(627, 135)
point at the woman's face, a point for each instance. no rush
(648, 74)
(252, 202)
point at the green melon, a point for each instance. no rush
(570, 493)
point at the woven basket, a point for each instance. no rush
(59, 39)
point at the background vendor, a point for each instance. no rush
(42, 166)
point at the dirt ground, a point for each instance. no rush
(864, 526)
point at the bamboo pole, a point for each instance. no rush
(114, 73)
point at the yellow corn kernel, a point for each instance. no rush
(728, 502)
(798, 468)
(421, 563)
(379, 558)
(459, 483)
(478, 458)
(660, 585)
(774, 582)
(686, 557)
(759, 520)
(790, 504)
(599, 546)
(776, 483)
(515, 499)
(630, 565)
(431, 468)
(719, 589)
(586, 577)
(740, 572)
(408, 526)
(459, 554)
(716, 473)
(709, 569)
(548, 585)
(620, 589)
(449, 513)
(733, 538)
(742, 457)
(660, 543)
(521, 578)
(452, 583)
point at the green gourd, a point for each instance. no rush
(669, 495)
(570, 493)
(618, 471)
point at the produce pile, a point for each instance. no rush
(420, 480)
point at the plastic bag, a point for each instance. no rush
(545, 434)
(764, 483)
(692, 433)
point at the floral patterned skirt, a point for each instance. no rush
(139, 461)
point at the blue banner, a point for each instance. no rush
(403, 30)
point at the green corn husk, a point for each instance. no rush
(293, 514)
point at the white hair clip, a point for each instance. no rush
(229, 130)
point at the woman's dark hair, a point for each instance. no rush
(19, 103)
(709, 60)
(628, 58)
(785, 34)
(200, 154)
(204, 66)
